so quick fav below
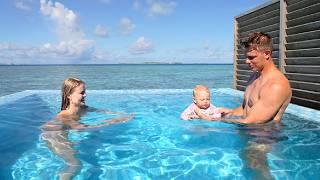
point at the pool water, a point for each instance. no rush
(156, 144)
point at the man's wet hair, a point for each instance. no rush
(257, 40)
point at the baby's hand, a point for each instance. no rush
(194, 116)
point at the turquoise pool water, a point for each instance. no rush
(156, 144)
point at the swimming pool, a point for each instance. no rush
(156, 144)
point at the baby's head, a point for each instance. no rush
(201, 96)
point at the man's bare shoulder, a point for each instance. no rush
(278, 83)
(280, 79)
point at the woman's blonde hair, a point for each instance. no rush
(67, 89)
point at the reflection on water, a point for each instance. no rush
(259, 141)
(58, 142)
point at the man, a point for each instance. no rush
(268, 92)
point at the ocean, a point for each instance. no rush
(123, 76)
(155, 144)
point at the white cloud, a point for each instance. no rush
(206, 45)
(65, 20)
(63, 52)
(101, 31)
(136, 5)
(24, 5)
(105, 1)
(160, 8)
(102, 56)
(202, 54)
(9, 50)
(126, 26)
(67, 49)
(141, 46)
(72, 43)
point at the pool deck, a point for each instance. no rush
(297, 110)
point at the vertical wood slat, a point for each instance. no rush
(282, 35)
(235, 53)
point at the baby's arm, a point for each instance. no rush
(202, 115)
(189, 113)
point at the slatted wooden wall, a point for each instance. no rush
(266, 19)
(294, 26)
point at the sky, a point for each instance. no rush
(119, 31)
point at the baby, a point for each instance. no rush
(201, 108)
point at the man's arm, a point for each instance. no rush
(271, 100)
(234, 112)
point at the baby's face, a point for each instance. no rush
(202, 99)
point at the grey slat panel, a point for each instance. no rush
(273, 13)
(243, 67)
(241, 88)
(314, 43)
(268, 29)
(306, 94)
(243, 61)
(304, 19)
(261, 24)
(241, 50)
(242, 83)
(301, 3)
(314, 78)
(305, 102)
(275, 54)
(314, 52)
(303, 11)
(305, 85)
(245, 72)
(291, 2)
(302, 69)
(259, 12)
(303, 61)
(275, 40)
(311, 26)
(243, 77)
(303, 36)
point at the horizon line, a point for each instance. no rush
(119, 64)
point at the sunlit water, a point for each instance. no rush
(156, 144)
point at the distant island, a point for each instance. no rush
(154, 62)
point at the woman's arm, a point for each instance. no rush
(116, 120)
(104, 111)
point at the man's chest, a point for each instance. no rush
(252, 94)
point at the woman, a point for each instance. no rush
(72, 108)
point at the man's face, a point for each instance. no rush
(255, 59)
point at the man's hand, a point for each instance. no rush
(225, 112)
